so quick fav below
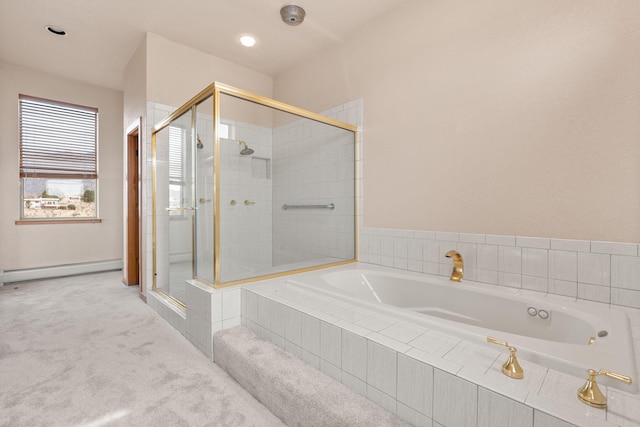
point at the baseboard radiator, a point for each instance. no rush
(11, 276)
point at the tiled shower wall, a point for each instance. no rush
(607, 272)
(313, 165)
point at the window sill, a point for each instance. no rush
(58, 221)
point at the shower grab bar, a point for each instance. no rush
(329, 206)
(180, 209)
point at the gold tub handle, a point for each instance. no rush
(511, 367)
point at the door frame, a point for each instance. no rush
(132, 270)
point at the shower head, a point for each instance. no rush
(246, 150)
(200, 145)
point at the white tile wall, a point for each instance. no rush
(606, 272)
(495, 410)
(456, 402)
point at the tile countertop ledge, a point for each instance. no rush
(543, 389)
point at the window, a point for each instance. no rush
(177, 158)
(58, 160)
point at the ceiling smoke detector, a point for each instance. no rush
(292, 14)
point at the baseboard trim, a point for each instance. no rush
(12, 276)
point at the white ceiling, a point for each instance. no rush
(103, 34)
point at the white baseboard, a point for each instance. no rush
(10, 276)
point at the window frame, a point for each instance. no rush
(29, 167)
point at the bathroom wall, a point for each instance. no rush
(495, 117)
(33, 246)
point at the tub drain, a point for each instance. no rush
(603, 334)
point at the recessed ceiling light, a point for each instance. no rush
(247, 40)
(58, 31)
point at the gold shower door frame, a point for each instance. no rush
(214, 90)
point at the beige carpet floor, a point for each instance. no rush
(86, 351)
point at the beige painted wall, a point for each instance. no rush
(31, 246)
(176, 73)
(501, 117)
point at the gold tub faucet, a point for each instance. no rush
(458, 265)
(590, 393)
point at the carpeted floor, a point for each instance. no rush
(86, 351)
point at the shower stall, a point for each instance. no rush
(246, 188)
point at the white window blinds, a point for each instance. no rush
(57, 140)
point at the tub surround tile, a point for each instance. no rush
(497, 240)
(389, 342)
(431, 268)
(293, 326)
(431, 250)
(449, 237)
(594, 293)
(594, 269)
(487, 257)
(571, 245)
(510, 259)
(381, 368)
(278, 318)
(415, 385)
(310, 358)
(472, 238)
(495, 410)
(331, 370)
(401, 247)
(625, 272)
(415, 249)
(510, 280)
(535, 262)
(487, 276)
(533, 242)
(614, 248)
(403, 332)
(264, 312)
(540, 419)
(354, 352)
(380, 398)
(377, 323)
(354, 384)
(469, 252)
(562, 287)
(353, 328)
(331, 343)
(563, 265)
(414, 417)
(231, 304)
(623, 408)
(625, 297)
(456, 403)
(518, 390)
(476, 360)
(537, 284)
(425, 235)
(434, 343)
(558, 396)
(435, 361)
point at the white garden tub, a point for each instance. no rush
(472, 312)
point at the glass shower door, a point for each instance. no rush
(174, 207)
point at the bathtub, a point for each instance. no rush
(553, 334)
